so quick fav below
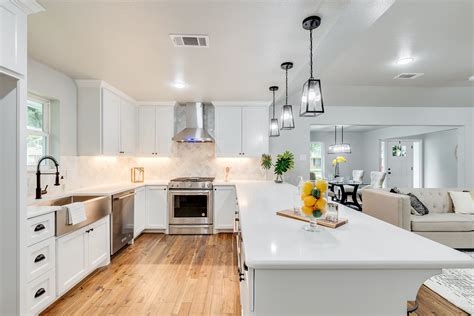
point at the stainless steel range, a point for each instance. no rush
(190, 203)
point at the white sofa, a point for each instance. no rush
(441, 224)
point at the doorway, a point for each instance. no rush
(403, 163)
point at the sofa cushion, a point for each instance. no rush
(463, 202)
(436, 200)
(446, 222)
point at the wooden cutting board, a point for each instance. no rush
(322, 222)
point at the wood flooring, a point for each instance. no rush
(178, 275)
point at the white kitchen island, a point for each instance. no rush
(366, 267)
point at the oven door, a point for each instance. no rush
(190, 206)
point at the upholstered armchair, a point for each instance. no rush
(357, 176)
(377, 179)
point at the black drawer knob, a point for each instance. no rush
(40, 292)
(40, 257)
(39, 227)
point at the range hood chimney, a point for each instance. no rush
(194, 131)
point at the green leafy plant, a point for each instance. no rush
(284, 163)
(266, 161)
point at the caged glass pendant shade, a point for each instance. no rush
(274, 128)
(287, 120)
(312, 98)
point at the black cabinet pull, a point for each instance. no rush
(40, 257)
(39, 227)
(40, 292)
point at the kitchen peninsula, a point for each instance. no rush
(288, 271)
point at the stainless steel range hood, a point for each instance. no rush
(194, 131)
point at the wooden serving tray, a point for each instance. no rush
(322, 222)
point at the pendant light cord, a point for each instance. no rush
(342, 140)
(311, 52)
(286, 86)
(335, 134)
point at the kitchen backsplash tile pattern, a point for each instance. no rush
(186, 160)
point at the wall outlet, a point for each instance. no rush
(302, 157)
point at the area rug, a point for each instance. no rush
(456, 286)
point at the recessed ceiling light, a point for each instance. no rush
(471, 78)
(406, 60)
(179, 85)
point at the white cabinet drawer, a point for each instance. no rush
(41, 292)
(41, 257)
(40, 228)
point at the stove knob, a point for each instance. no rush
(209, 185)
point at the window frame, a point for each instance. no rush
(45, 131)
(323, 160)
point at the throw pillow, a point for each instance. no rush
(463, 202)
(417, 207)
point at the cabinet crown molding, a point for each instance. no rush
(28, 6)
(93, 83)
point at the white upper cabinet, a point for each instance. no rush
(241, 131)
(12, 38)
(107, 120)
(255, 127)
(156, 128)
(128, 127)
(110, 123)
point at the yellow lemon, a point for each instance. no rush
(307, 210)
(322, 186)
(303, 196)
(309, 201)
(321, 205)
(308, 188)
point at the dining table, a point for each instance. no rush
(342, 197)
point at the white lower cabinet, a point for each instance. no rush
(156, 207)
(41, 292)
(80, 252)
(225, 206)
(139, 211)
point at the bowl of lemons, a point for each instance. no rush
(313, 196)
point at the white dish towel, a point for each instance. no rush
(76, 213)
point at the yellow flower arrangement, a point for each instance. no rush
(339, 159)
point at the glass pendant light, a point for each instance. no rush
(287, 121)
(312, 98)
(274, 128)
(341, 148)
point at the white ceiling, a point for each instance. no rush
(127, 44)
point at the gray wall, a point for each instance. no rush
(46, 82)
(440, 163)
(298, 139)
(355, 160)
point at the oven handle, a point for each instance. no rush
(189, 192)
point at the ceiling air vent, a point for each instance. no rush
(186, 40)
(408, 75)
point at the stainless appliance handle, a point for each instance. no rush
(123, 196)
(190, 192)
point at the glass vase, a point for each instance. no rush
(279, 178)
(314, 198)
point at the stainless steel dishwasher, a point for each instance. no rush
(122, 222)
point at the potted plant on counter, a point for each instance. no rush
(284, 163)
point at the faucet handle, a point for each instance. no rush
(45, 190)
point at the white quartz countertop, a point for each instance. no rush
(276, 242)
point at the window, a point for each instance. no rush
(37, 125)
(316, 157)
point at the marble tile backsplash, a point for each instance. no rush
(185, 160)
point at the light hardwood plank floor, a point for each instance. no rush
(178, 275)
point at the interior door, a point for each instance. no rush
(400, 164)
(228, 129)
(110, 123)
(254, 131)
